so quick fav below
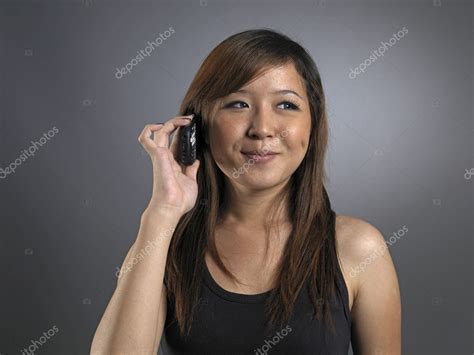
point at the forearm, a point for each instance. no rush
(130, 320)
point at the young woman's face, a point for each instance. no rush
(269, 114)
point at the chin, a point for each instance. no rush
(258, 180)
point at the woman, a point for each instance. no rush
(246, 254)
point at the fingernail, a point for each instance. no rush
(190, 117)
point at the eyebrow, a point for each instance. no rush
(285, 91)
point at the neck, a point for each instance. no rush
(250, 208)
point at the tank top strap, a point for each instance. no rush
(343, 291)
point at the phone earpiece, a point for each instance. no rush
(188, 142)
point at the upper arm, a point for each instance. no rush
(376, 312)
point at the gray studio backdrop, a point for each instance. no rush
(74, 180)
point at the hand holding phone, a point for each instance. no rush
(175, 187)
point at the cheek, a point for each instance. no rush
(222, 139)
(298, 138)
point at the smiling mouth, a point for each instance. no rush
(258, 159)
(260, 154)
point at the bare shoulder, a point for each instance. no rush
(356, 240)
(374, 292)
(356, 237)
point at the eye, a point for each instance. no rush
(233, 103)
(290, 105)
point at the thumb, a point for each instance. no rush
(191, 170)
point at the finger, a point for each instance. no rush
(145, 137)
(162, 137)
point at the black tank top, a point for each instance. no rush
(232, 323)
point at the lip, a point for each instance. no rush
(261, 159)
(256, 152)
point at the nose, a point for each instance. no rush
(262, 124)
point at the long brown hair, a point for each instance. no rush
(310, 251)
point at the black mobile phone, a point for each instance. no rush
(188, 141)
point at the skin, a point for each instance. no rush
(258, 116)
(254, 121)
